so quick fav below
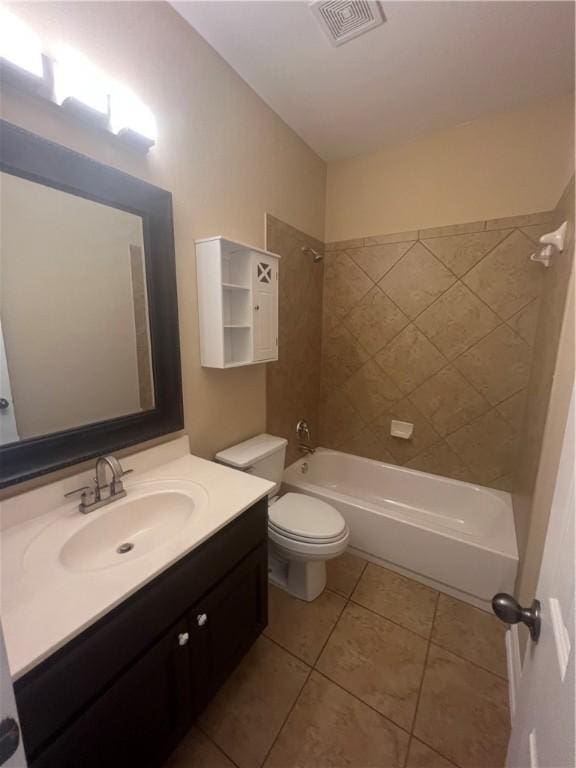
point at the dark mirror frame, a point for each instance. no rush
(31, 157)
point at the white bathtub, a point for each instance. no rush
(455, 536)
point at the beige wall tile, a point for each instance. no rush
(339, 420)
(512, 409)
(486, 446)
(421, 756)
(440, 459)
(368, 445)
(397, 598)
(378, 661)
(247, 713)
(525, 322)
(293, 382)
(536, 231)
(471, 633)
(410, 359)
(499, 365)
(300, 627)
(449, 401)
(452, 229)
(330, 727)
(371, 392)
(344, 284)
(457, 320)
(463, 711)
(416, 280)
(341, 245)
(396, 237)
(342, 355)
(423, 436)
(461, 252)
(376, 260)
(375, 320)
(544, 217)
(506, 279)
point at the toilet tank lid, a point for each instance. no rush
(250, 451)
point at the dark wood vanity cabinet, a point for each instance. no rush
(125, 691)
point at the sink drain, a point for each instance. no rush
(126, 547)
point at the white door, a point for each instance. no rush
(8, 430)
(543, 725)
(265, 310)
(9, 726)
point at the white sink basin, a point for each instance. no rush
(150, 516)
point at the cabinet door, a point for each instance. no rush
(225, 623)
(139, 719)
(265, 313)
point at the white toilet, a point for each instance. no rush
(303, 532)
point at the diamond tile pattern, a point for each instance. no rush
(435, 328)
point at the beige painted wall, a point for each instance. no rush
(224, 155)
(501, 165)
(67, 307)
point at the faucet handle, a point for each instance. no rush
(87, 494)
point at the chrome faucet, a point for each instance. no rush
(303, 432)
(102, 493)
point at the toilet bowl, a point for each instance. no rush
(303, 532)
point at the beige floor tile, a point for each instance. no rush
(463, 711)
(344, 572)
(300, 627)
(246, 715)
(329, 728)
(197, 751)
(421, 756)
(469, 632)
(378, 661)
(395, 597)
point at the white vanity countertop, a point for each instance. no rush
(45, 607)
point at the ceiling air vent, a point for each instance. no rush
(343, 20)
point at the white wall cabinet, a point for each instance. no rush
(237, 303)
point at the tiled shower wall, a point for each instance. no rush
(293, 383)
(555, 285)
(435, 327)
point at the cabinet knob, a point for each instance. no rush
(257, 307)
(183, 638)
(201, 619)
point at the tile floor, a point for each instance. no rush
(378, 672)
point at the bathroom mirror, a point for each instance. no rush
(89, 355)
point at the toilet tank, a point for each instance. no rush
(262, 456)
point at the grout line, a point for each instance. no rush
(296, 700)
(419, 696)
(211, 740)
(468, 661)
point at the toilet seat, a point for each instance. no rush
(301, 518)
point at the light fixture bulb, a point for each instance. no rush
(128, 113)
(77, 78)
(19, 45)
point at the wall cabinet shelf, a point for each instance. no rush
(237, 303)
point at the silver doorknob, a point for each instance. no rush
(201, 619)
(183, 638)
(509, 610)
(4, 404)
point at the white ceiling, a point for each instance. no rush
(430, 66)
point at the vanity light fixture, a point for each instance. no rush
(71, 81)
(78, 82)
(19, 46)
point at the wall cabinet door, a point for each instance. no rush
(225, 623)
(139, 719)
(265, 315)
